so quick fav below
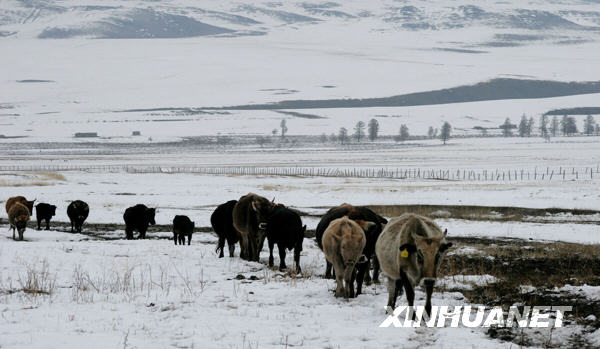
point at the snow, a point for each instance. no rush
(154, 294)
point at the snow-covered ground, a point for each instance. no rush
(154, 294)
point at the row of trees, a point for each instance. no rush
(343, 135)
(567, 126)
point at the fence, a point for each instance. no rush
(498, 175)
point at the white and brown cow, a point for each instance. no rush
(410, 250)
(343, 244)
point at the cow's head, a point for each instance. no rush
(150, 213)
(262, 208)
(29, 205)
(429, 252)
(52, 210)
(21, 223)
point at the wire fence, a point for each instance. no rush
(498, 175)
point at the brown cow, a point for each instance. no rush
(410, 250)
(250, 216)
(343, 244)
(18, 216)
(21, 199)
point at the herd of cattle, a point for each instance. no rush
(409, 249)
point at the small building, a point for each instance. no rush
(86, 134)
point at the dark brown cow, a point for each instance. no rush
(250, 216)
(21, 199)
(18, 216)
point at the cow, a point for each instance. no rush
(355, 213)
(138, 218)
(343, 243)
(78, 212)
(285, 229)
(250, 216)
(222, 223)
(18, 216)
(410, 250)
(182, 227)
(21, 199)
(44, 212)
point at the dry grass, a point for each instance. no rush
(477, 213)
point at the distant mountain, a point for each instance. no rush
(495, 89)
(181, 18)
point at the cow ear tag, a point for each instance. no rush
(404, 253)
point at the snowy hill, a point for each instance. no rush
(74, 66)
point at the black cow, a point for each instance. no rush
(285, 229)
(222, 223)
(355, 213)
(182, 227)
(77, 211)
(138, 218)
(44, 212)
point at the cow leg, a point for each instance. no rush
(271, 259)
(143, 234)
(221, 245)
(375, 270)
(175, 238)
(328, 270)
(231, 246)
(281, 249)
(189, 239)
(129, 234)
(13, 229)
(47, 224)
(410, 292)
(360, 276)
(71, 226)
(338, 265)
(297, 259)
(181, 239)
(39, 222)
(20, 235)
(392, 287)
(429, 291)
(349, 276)
(367, 277)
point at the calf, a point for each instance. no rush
(18, 216)
(78, 212)
(284, 228)
(182, 227)
(410, 250)
(222, 223)
(138, 218)
(44, 212)
(355, 213)
(21, 199)
(343, 244)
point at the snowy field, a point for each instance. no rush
(184, 72)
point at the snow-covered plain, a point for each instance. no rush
(154, 294)
(63, 69)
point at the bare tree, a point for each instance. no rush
(430, 133)
(373, 129)
(323, 138)
(523, 126)
(507, 128)
(530, 125)
(446, 131)
(343, 135)
(589, 125)
(403, 133)
(554, 126)
(544, 126)
(359, 130)
(283, 126)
